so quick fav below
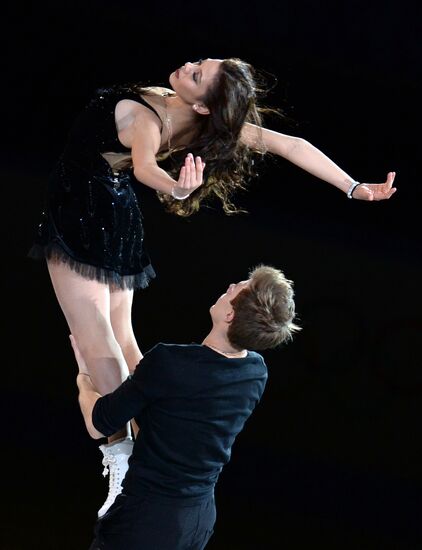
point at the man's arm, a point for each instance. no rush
(106, 415)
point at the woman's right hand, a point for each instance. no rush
(190, 178)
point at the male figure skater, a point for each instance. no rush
(190, 402)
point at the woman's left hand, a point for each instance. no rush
(376, 191)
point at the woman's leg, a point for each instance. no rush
(86, 306)
(121, 321)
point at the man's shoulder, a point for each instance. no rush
(164, 350)
(256, 356)
(256, 359)
(162, 360)
(175, 348)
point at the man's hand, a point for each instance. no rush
(376, 191)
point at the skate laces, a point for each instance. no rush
(111, 466)
(115, 462)
(108, 461)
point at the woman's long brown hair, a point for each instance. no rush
(232, 101)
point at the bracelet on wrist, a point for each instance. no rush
(352, 187)
(177, 197)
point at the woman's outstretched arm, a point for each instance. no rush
(303, 154)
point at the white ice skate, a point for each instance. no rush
(115, 462)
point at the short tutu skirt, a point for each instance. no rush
(93, 222)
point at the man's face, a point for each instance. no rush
(222, 310)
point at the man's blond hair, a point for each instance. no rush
(263, 311)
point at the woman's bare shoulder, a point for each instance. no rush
(158, 91)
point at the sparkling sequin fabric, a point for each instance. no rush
(92, 220)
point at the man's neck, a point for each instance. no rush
(220, 343)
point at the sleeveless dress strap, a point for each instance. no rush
(140, 99)
(144, 102)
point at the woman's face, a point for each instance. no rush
(191, 81)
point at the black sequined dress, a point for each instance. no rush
(92, 220)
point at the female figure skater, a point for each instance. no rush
(208, 126)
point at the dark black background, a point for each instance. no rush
(331, 458)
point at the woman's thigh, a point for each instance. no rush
(86, 306)
(85, 303)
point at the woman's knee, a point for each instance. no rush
(97, 341)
